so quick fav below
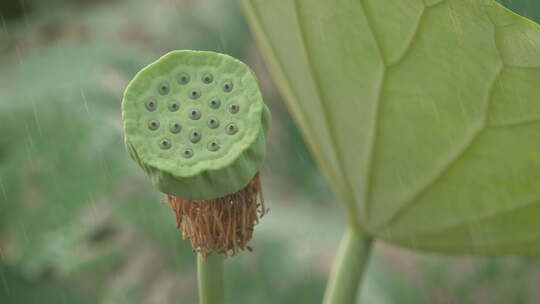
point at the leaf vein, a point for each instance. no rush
(484, 217)
(516, 123)
(453, 160)
(368, 183)
(350, 203)
(408, 46)
(371, 156)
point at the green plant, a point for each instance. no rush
(196, 123)
(423, 115)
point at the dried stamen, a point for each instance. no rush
(223, 225)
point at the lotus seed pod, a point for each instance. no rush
(196, 123)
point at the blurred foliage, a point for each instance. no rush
(527, 8)
(76, 215)
(79, 223)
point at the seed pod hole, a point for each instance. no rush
(151, 105)
(153, 124)
(165, 144)
(213, 123)
(175, 127)
(174, 106)
(187, 153)
(207, 78)
(183, 78)
(194, 94)
(213, 146)
(214, 103)
(163, 88)
(194, 114)
(227, 86)
(234, 108)
(231, 129)
(195, 136)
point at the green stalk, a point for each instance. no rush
(210, 277)
(349, 267)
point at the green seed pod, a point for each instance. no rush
(196, 123)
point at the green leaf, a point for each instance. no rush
(425, 117)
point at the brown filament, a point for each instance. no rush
(223, 225)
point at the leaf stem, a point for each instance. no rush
(348, 268)
(210, 277)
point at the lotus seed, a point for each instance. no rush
(174, 106)
(227, 86)
(213, 123)
(153, 124)
(187, 153)
(186, 137)
(183, 78)
(196, 123)
(151, 105)
(165, 144)
(213, 146)
(234, 108)
(195, 114)
(207, 78)
(194, 94)
(214, 103)
(195, 136)
(175, 127)
(231, 129)
(163, 89)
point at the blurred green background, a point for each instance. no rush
(79, 222)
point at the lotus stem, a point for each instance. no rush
(210, 278)
(349, 267)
